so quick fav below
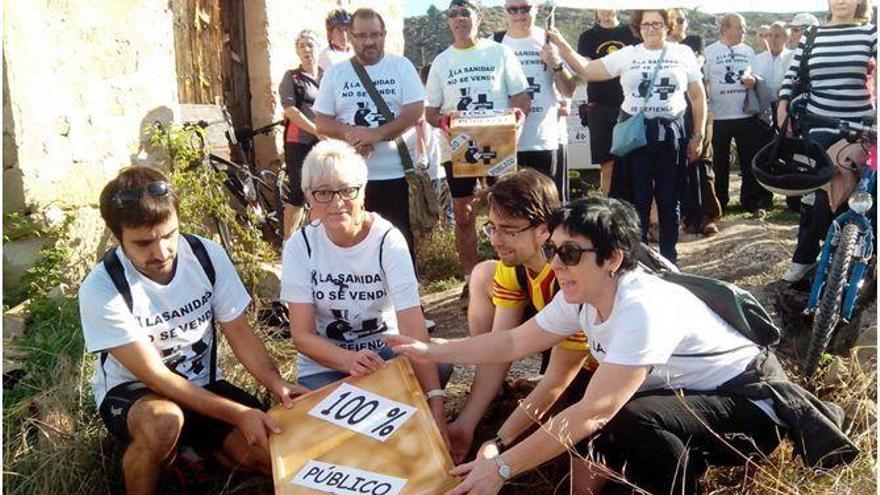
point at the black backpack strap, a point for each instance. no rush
(382, 248)
(115, 270)
(306, 240)
(201, 253)
(498, 36)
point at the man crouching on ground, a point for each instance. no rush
(148, 311)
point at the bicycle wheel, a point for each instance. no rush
(828, 310)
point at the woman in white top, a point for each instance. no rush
(651, 173)
(348, 279)
(653, 404)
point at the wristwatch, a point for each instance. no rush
(503, 468)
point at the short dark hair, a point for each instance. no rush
(366, 13)
(147, 210)
(609, 223)
(526, 194)
(635, 20)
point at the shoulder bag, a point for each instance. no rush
(630, 134)
(424, 210)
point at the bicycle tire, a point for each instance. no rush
(828, 309)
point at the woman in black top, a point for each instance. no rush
(298, 90)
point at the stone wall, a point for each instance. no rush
(271, 52)
(79, 79)
(82, 78)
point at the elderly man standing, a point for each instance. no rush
(345, 110)
(728, 74)
(772, 64)
(548, 79)
(471, 74)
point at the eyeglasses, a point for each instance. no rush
(346, 193)
(365, 36)
(651, 25)
(569, 254)
(453, 13)
(156, 189)
(491, 230)
(681, 20)
(519, 9)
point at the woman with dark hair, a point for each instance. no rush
(672, 75)
(658, 405)
(843, 56)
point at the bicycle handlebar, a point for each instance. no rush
(844, 126)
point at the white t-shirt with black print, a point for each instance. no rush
(341, 96)
(481, 77)
(724, 68)
(355, 297)
(659, 324)
(175, 318)
(635, 66)
(541, 129)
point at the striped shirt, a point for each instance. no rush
(837, 68)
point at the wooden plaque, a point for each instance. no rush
(483, 143)
(308, 444)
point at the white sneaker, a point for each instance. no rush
(796, 271)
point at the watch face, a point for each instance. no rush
(504, 471)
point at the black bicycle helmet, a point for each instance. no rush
(337, 18)
(792, 166)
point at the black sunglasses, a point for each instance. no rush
(453, 13)
(569, 254)
(156, 189)
(519, 9)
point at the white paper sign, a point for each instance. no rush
(363, 412)
(342, 480)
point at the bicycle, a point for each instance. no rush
(848, 252)
(253, 189)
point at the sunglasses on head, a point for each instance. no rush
(569, 254)
(681, 20)
(156, 189)
(519, 9)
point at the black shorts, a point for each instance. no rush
(198, 430)
(462, 187)
(294, 155)
(600, 121)
(543, 161)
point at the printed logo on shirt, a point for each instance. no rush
(732, 76)
(663, 87)
(342, 329)
(608, 47)
(188, 360)
(168, 323)
(597, 347)
(533, 88)
(468, 102)
(366, 117)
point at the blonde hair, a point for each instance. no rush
(330, 159)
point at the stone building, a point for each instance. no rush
(82, 78)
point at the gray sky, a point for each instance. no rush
(419, 7)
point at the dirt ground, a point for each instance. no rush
(752, 253)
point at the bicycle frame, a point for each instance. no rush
(861, 258)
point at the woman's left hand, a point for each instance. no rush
(695, 148)
(482, 478)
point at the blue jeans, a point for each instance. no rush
(318, 380)
(653, 173)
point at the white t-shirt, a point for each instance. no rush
(541, 129)
(658, 324)
(341, 96)
(433, 138)
(330, 57)
(355, 297)
(482, 77)
(175, 318)
(772, 69)
(635, 65)
(724, 68)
